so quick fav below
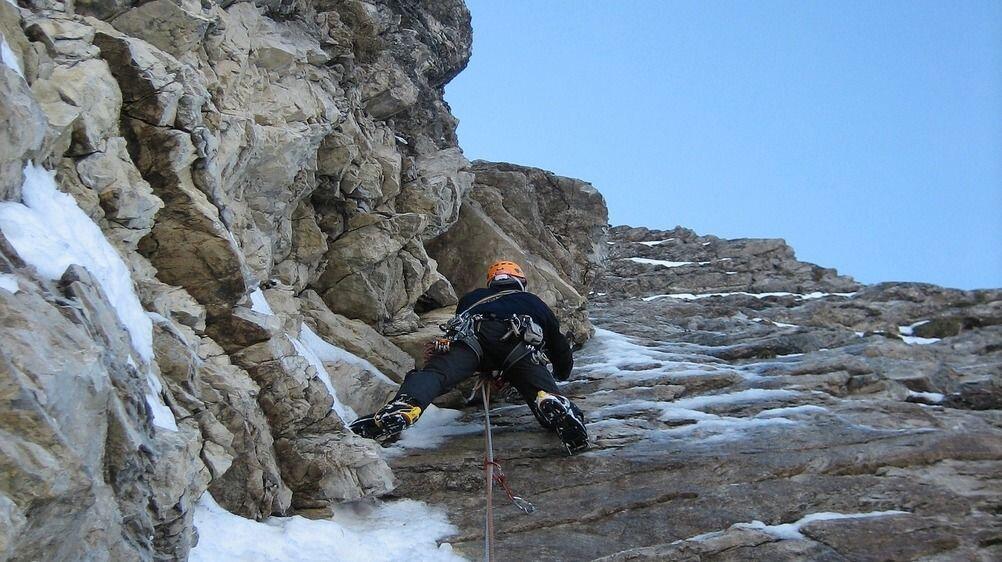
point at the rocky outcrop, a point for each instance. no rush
(267, 179)
(221, 147)
(554, 226)
(791, 415)
(260, 213)
(644, 262)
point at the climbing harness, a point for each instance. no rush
(462, 328)
(494, 475)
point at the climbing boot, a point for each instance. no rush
(565, 418)
(391, 419)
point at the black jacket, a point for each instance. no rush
(523, 302)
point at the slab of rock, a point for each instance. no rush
(553, 226)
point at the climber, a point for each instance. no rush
(500, 328)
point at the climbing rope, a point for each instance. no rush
(493, 473)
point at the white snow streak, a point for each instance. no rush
(344, 411)
(692, 297)
(915, 340)
(656, 242)
(9, 58)
(906, 334)
(791, 531)
(259, 303)
(665, 263)
(8, 282)
(928, 397)
(390, 531)
(910, 329)
(431, 430)
(50, 232)
(331, 353)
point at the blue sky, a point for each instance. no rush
(867, 134)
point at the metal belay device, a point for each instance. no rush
(493, 473)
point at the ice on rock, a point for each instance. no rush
(344, 411)
(386, 531)
(791, 531)
(331, 353)
(8, 57)
(664, 263)
(259, 303)
(750, 395)
(431, 430)
(906, 333)
(692, 297)
(8, 282)
(50, 232)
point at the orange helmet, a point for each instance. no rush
(505, 268)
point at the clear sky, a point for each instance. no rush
(867, 134)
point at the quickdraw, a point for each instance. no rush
(501, 480)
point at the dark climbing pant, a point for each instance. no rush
(445, 371)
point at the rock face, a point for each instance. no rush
(553, 226)
(267, 179)
(228, 227)
(793, 415)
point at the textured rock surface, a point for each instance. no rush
(283, 182)
(722, 424)
(552, 225)
(302, 147)
(270, 173)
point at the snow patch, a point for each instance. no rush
(927, 397)
(791, 410)
(656, 242)
(259, 303)
(8, 57)
(916, 341)
(791, 531)
(692, 297)
(906, 334)
(8, 282)
(665, 263)
(50, 232)
(431, 430)
(751, 395)
(331, 353)
(344, 411)
(909, 330)
(388, 531)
